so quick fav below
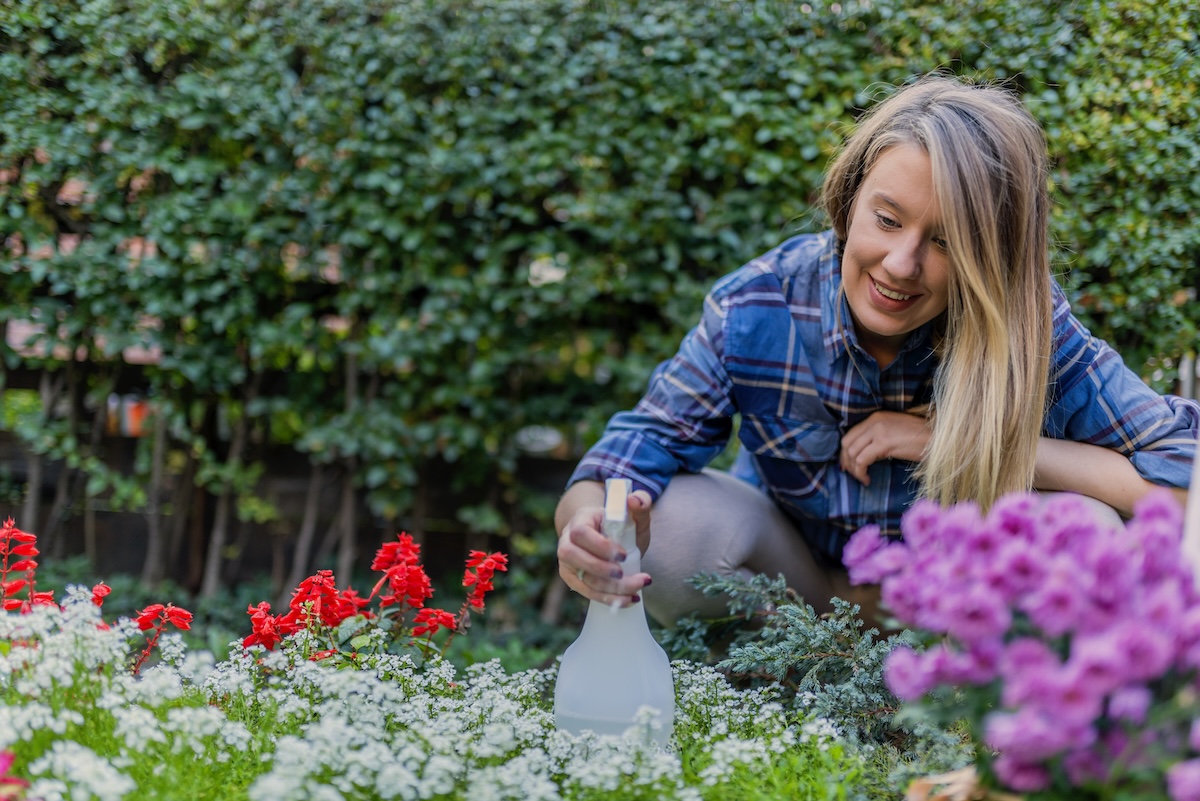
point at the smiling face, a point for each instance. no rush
(895, 269)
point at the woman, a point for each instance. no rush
(919, 348)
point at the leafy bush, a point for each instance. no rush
(390, 234)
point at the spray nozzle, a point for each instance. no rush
(617, 525)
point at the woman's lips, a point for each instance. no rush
(889, 299)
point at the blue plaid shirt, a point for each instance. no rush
(775, 346)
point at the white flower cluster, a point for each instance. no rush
(295, 729)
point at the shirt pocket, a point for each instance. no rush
(793, 458)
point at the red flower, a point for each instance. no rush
(317, 599)
(433, 620)
(265, 625)
(402, 552)
(290, 623)
(157, 616)
(99, 593)
(179, 618)
(403, 573)
(481, 568)
(319, 655)
(148, 617)
(40, 599)
(10, 786)
(351, 604)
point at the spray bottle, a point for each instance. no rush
(615, 667)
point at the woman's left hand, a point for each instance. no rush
(883, 435)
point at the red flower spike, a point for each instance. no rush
(265, 627)
(157, 616)
(484, 566)
(316, 599)
(179, 617)
(22, 566)
(431, 621)
(99, 593)
(149, 616)
(402, 552)
(14, 586)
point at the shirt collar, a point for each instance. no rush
(837, 329)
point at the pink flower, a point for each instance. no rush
(1016, 570)
(1028, 655)
(1023, 777)
(1147, 652)
(1016, 515)
(1085, 766)
(978, 615)
(10, 786)
(864, 542)
(920, 524)
(1055, 607)
(1100, 660)
(1026, 735)
(1183, 781)
(1130, 704)
(884, 561)
(1066, 525)
(907, 674)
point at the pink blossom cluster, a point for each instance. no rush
(1071, 634)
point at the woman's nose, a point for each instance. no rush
(904, 259)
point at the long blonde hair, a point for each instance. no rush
(989, 165)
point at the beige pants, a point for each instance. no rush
(711, 522)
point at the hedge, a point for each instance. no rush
(387, 234)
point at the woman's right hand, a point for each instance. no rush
(589, 562)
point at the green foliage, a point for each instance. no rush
(416, 226)
(828, 666)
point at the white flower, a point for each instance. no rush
(82, 772)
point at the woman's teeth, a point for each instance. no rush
(887, 293)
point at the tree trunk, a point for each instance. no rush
(54, 535)
(348, 523)
(48, 389)
(90, 548)
(211, 583)
(308, 530)
(332, 537)
(154, 567)
(183, 494)
(347, 509)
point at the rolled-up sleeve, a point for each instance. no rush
(1095, 398)
(681, 423)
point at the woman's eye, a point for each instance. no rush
(941, 243)
(885, 221)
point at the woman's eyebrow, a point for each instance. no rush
(887, 199)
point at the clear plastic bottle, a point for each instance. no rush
(615, 668)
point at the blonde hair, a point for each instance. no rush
(989, 165)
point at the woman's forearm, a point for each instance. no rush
(577, 496)
(1100, 473)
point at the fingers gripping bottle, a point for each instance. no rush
(615, 668)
